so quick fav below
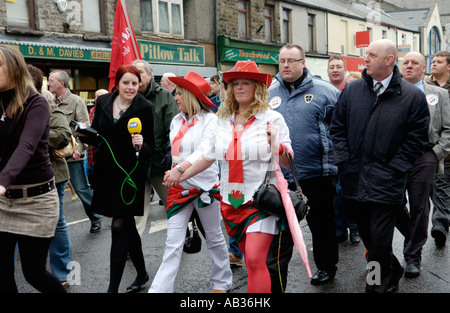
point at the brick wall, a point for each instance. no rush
(228, 18)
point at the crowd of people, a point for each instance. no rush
(370, 149)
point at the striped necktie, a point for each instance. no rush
(377, 88)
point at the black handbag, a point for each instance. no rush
(193, 242)
(268, 199)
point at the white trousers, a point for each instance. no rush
(221, 276)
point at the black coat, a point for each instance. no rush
(377, 140)
(109, 179)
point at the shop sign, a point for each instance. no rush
(154, 52)
(158, 52)
(264, 57)
(61, 52)
(354, 64)
(362, 39)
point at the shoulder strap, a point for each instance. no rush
(294, 175)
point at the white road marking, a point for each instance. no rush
(154, 226)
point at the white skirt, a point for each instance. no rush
(267, 225)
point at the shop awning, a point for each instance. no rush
(59, 48)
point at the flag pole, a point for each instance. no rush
(125, 10)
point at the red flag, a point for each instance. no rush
(124, 48)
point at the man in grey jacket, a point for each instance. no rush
(421, 176)
(74, 108)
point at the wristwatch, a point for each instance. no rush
(179, 168)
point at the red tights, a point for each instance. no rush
(255, 247)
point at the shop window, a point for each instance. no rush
(93, 16)
(286, 25)
(434, 41)
(242, 19)
(268, 23)
(162, 16)
(20, 13)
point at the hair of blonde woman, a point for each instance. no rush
(260, 104)
(19, 78)
(352, 76)
(193, 105)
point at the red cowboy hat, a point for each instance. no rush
(247, 70)
(196, 85)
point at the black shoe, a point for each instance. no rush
(322, 277)
(96, 227)
(341, 238)
(439, 238)
(412, 270)
(354, 236)
(138, 284)
(393, 284)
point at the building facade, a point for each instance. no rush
(75, 36)
(206, 36)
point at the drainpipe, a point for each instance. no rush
(396, 41)
(326, 16)
(216, 43)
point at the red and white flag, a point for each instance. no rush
(124, 48)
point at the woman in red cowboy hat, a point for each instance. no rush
(249, 135)
(191, 133)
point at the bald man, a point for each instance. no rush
(414, 224)
(166, 83)
(379, 128)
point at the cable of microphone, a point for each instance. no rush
(135, 127)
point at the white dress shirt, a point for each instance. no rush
(385, 82)
(197, 140)
(256, 152)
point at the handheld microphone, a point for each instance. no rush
(83, 129)
(135, 127)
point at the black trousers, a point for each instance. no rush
(413, 224)
(320, 192)
(33, 256)
(376, 223)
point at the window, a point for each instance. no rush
(434, 41)
(311, 37)
(20, 13)
(286, 17)
(242, 19)
(268, 18)
(384, 34)
(147, 15)
(93, 16)
(162, 16)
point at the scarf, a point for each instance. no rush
(236, 170)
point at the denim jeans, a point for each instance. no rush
(344, 218)
(234, 248)
(60, 246)
(82, 188)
